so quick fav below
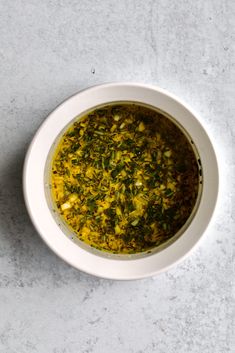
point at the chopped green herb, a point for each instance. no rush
(124, 178)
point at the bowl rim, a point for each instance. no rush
(92, 263)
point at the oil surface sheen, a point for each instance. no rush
(124, 178)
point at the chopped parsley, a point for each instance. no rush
(124, 178)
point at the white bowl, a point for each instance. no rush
(95, 262)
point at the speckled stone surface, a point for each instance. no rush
(50, 49)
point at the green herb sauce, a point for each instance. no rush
(124, 178)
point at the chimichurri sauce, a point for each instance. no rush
(124, 178)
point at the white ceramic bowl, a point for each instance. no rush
(95, 262)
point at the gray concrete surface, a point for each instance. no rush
(51, 49)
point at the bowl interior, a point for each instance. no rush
(70, 233)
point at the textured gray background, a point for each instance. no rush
(50, 49)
